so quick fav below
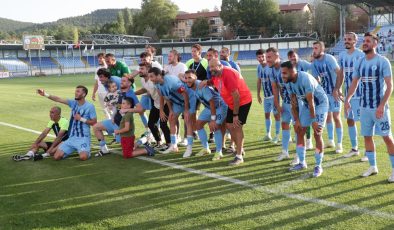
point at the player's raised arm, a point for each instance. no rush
(52, 97)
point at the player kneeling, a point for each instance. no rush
(214, 112)
(126, 132)
(303, 86)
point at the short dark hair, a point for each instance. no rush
(84, 89)
(260, 52)
(287, 64)
(110, 55)
(319, 43)
(145, 54)
(291, 52)
(104, 71)
(129, 100)
(99, 55)
(191, 71)
(374, 36)
(156, 71)
(273, 50)
(213, 50)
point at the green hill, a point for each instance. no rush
(8, 25)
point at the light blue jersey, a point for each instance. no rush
(325, 69)
(263, 73)
(172, 89)
(276, 77)
(208, 93)
(235, 66)
(305, 84)
(303, 65)
(87, 111)
(372, 73)
(347, 62)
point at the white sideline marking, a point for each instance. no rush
(25, 129)
(345, 207)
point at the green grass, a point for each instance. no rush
(111, 192)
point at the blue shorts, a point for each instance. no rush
(354, 113)
(286, 115)
(110, 128)
(371, 126)
(320, 113)
(146, 102)
(178, 109)
(221, 114)
(75, 144)
(269, 105)
(333, 105)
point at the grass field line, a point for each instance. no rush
(345, 207)
(25, 129)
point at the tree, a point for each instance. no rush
(157, 15)
(250, 16)
(121, 24)
(200, 27)
(128, 21)
(75, 35)
(325, 20)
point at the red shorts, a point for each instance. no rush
(127, 146)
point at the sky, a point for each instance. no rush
(39, 11)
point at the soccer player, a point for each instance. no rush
(198, 63)
(374, 72)
(214, 113)
(284, 108)
(225, 54)
(326, 69)
(98, 88)
(83, 115)
(116, 68)
(154, 115)
(264, 82)
(108, 125)
(213, 53)
(305, 89)
(347, 61)
(236, 94)
(302, 65)
(180, 99)
(59, 125)
(176, 68)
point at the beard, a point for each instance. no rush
(367, 51)
(317, 56)
(347, 46)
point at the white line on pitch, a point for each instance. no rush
(25, 129)
(345, 207)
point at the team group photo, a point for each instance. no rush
(251, 114)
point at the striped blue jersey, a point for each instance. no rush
(208, 93)
(276, 77)
(303, 65)
(305, 84)
(172, 89)
(372, 73)
(347, 62)
(87, 111)
(325, 69)
(263, 73)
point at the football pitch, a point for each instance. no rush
(169, 192)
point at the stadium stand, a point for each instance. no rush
(13, 65)
(45, 63)
(70, 62)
